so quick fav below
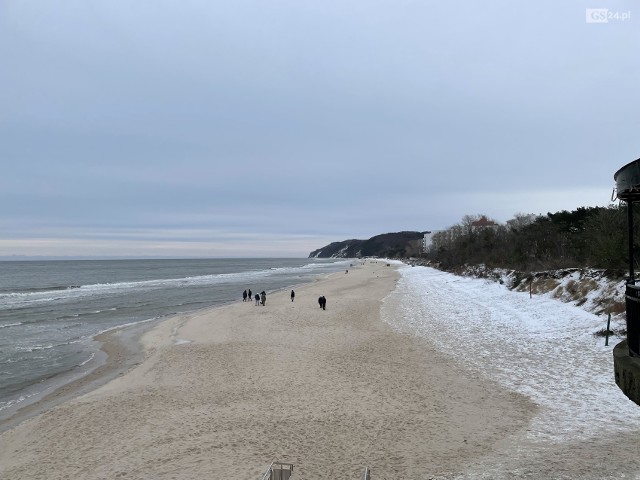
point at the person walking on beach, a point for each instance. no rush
(263, 297)
(322, 302)
(249, 296)
(293, 294)
(244, 296)
(257, 299)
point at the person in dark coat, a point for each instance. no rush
(257, 298)
(322, 302)
(293, 295)
(263, 297)
(244, 296)
(249, 296)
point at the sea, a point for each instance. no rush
(50, 311)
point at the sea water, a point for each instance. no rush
(51, 310)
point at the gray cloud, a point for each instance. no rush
(303, 121)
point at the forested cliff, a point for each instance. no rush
(586, 237)
(389, 245)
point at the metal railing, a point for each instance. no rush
(283, 471)
(278, 471)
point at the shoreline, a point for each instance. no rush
(224, 391)
(121, 349)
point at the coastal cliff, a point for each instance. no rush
(389, 245)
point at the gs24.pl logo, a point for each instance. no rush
(604, 15)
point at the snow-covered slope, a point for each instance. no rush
(590, 289)
(540, 347)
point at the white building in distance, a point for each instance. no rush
(427, 240)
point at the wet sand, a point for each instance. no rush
(119, 351)
(221, 393)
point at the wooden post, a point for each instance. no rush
(606, 339)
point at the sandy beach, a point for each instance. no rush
(222, 392)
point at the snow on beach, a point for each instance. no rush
(540, 347)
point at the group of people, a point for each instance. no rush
(261, 298)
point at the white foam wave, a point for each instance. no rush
(91, 357)
(6, 325)
(15, 401)
(36, 348)
(19, 299)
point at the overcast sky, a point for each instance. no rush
(274, 127)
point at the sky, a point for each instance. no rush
(204, 128)
(541, 348)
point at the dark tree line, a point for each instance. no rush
(588, 236)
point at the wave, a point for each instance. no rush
(42, 295)
(36, 348)
(51, 288)
(7, 325)
(91, 357)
